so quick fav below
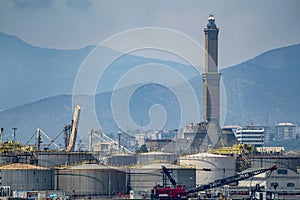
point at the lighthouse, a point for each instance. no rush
(211, 80)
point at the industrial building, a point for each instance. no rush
(196, 135)
(286, 131)
(280, 184)
(157, 144)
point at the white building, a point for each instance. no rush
(286, 131)
(250, 135)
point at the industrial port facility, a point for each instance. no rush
(187, 164)
(233, 171)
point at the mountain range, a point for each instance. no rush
(37, 83)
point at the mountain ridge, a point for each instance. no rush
(262, 90)
(49, 72)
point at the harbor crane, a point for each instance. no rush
(179, 193)
(74, 126)
(231, 179)
(70, 133)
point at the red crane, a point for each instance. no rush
(166, 192)
(178, 191)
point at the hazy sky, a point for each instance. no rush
(247, 28)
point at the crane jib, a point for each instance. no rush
(231, 179)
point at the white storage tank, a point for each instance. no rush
(143, 178)
(26, 177)
(209, 167)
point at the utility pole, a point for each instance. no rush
(39, 139)
(91, 140)
(14, 129)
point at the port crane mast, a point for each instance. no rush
(70, 134)
(167, 173)
(178, 192)
(74, 126)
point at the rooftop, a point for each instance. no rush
(203, 155)
(21, 166)
(285, 124)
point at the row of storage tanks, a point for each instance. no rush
(95, 179)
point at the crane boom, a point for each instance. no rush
(73, 134)
(231, 179)
(166, 172)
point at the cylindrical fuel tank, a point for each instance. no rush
(209, 167)
(27, 177)
(91, 179)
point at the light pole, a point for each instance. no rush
(1, 134)
(119, 135)
(191, 178)
(109, 182)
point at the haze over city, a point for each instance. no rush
(248, 28)
(157, 100)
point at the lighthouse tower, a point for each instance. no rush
(211, 80)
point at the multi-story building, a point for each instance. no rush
(251, 135)
(286, 131)
(297, 130)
